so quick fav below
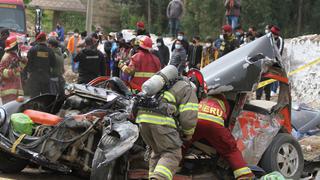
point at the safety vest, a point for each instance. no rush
(212, 109)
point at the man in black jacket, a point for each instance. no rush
(41, 61)
(91, 62)
(163, 52)
(195, 53)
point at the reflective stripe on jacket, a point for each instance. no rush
(186, 102)
(213, 109)
(145, 65)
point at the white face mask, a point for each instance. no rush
(180, 37)
(178, 46)
(208, 44)
(159, 44)
(221, 36)
(266, 31)
(76, 35)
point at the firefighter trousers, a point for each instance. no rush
(166, 153)
(221, 139)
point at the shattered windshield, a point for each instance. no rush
(12, 18)
(241, 69)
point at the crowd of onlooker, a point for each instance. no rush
(110, 54)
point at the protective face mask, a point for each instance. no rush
(180, 37)
(178, 46)
(208, 44)
(76, 35)
(266, 31)
(221, 36)
(159, 44)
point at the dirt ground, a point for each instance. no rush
(35, 174)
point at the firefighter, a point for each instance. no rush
(143, 64)
(213, 111)
(161, 133)
(11, 66)
(41, 60)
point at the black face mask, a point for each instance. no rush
(225, 36)
(194, 41)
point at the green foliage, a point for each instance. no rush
(72, 21)
(206, 17)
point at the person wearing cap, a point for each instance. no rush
(278, 39)
(91, 62)
(41, 61)
(174, 14)
(233, 8)
(73, 50)
(179, 57)
(4, 34)
(141, 29)
(143, 64)
(229, 42)
(57, 81)
(11, 66)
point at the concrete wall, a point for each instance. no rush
(106, 14)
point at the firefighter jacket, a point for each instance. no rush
(91, 65)
(214, 109)
(10, 82)
(41, 61)
(185, 100)
(144, 64)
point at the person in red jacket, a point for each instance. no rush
(10, 67)
(213, 111)
(143, 64)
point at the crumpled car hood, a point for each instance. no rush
(241, 69)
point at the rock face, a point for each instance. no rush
(306, 83)
(106, 14)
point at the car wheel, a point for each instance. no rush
(283, 155)
(11, 164)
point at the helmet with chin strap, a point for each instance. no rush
(200, 86)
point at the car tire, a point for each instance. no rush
(11, 164)
(284, 155)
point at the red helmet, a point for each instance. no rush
(197, 79)
(11, 42)
(145, 42)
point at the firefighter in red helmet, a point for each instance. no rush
(213, 111)
(11, 66)
(143, 64)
